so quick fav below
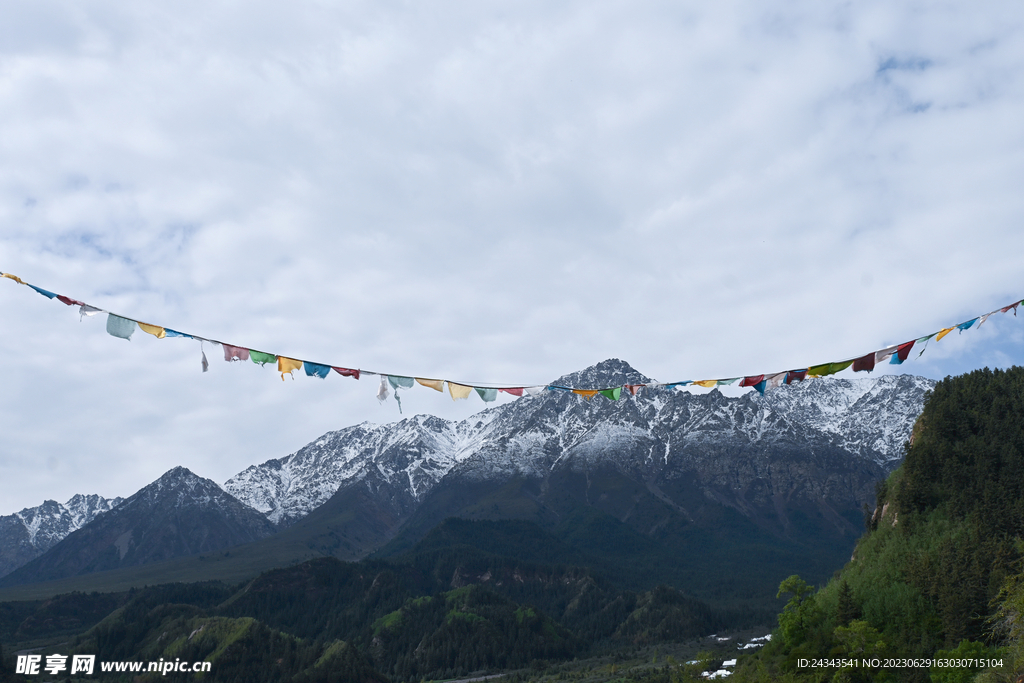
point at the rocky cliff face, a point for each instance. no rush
(29, 533)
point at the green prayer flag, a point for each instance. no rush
(262, 358)
(828, 368)
(727, 381)
(397, 381)
(611, 394)
(487, 394)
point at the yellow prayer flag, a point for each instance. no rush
(435, 384)
(944, 332)
(586, 393)
(287, 365)
(459, 390)
(707, 383)
(154, 330)
(15, 278)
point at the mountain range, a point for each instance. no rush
(686, 484)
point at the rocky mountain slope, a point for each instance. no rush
(178, 514)
(867, 419)
(29, 533)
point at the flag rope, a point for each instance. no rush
(123, 327)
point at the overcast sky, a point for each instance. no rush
(489, 192)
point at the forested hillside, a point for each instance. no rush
(938, 573)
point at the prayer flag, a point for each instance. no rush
(154, 330)
(288, 365)
(235, 353)
(586, 393)
(864, 363)
(943, 332)
(515, 391)
(533, 392)
(760, 386)
(435, 384)
(399, 382)
(1004, 309)
(382, 390)
(966, 325)
(22, 282)
(174, 333)
(751, 381)
(796, 376)
(706, 383)
(120, 327)
(487, 395)
(726, 382)
(261, 358)
(612, 394)
(902, 351)
(69, 301)
(86, 309)
(347, 372)
(828, 368)
(316, 370)
(981, 321)
(882, 355)
(48, 295)
(775, 380)
(206, 363)
(633, 388)
(459, 391)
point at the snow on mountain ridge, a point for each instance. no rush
(48, 523)
(869, 418)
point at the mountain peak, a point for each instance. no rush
(608, 373)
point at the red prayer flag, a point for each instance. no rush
(346, 372)
(515, 391)
(796, 375)
(235, 352)
(865, 363)
(903, 350)
(633, 388)
(751, 381)
(69, 301)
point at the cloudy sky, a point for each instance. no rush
(487, 192)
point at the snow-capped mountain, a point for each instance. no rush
(178, 514)
(30, 532)
(867, 420)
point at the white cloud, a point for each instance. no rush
(491, 193)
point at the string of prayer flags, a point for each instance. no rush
(123, 328)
